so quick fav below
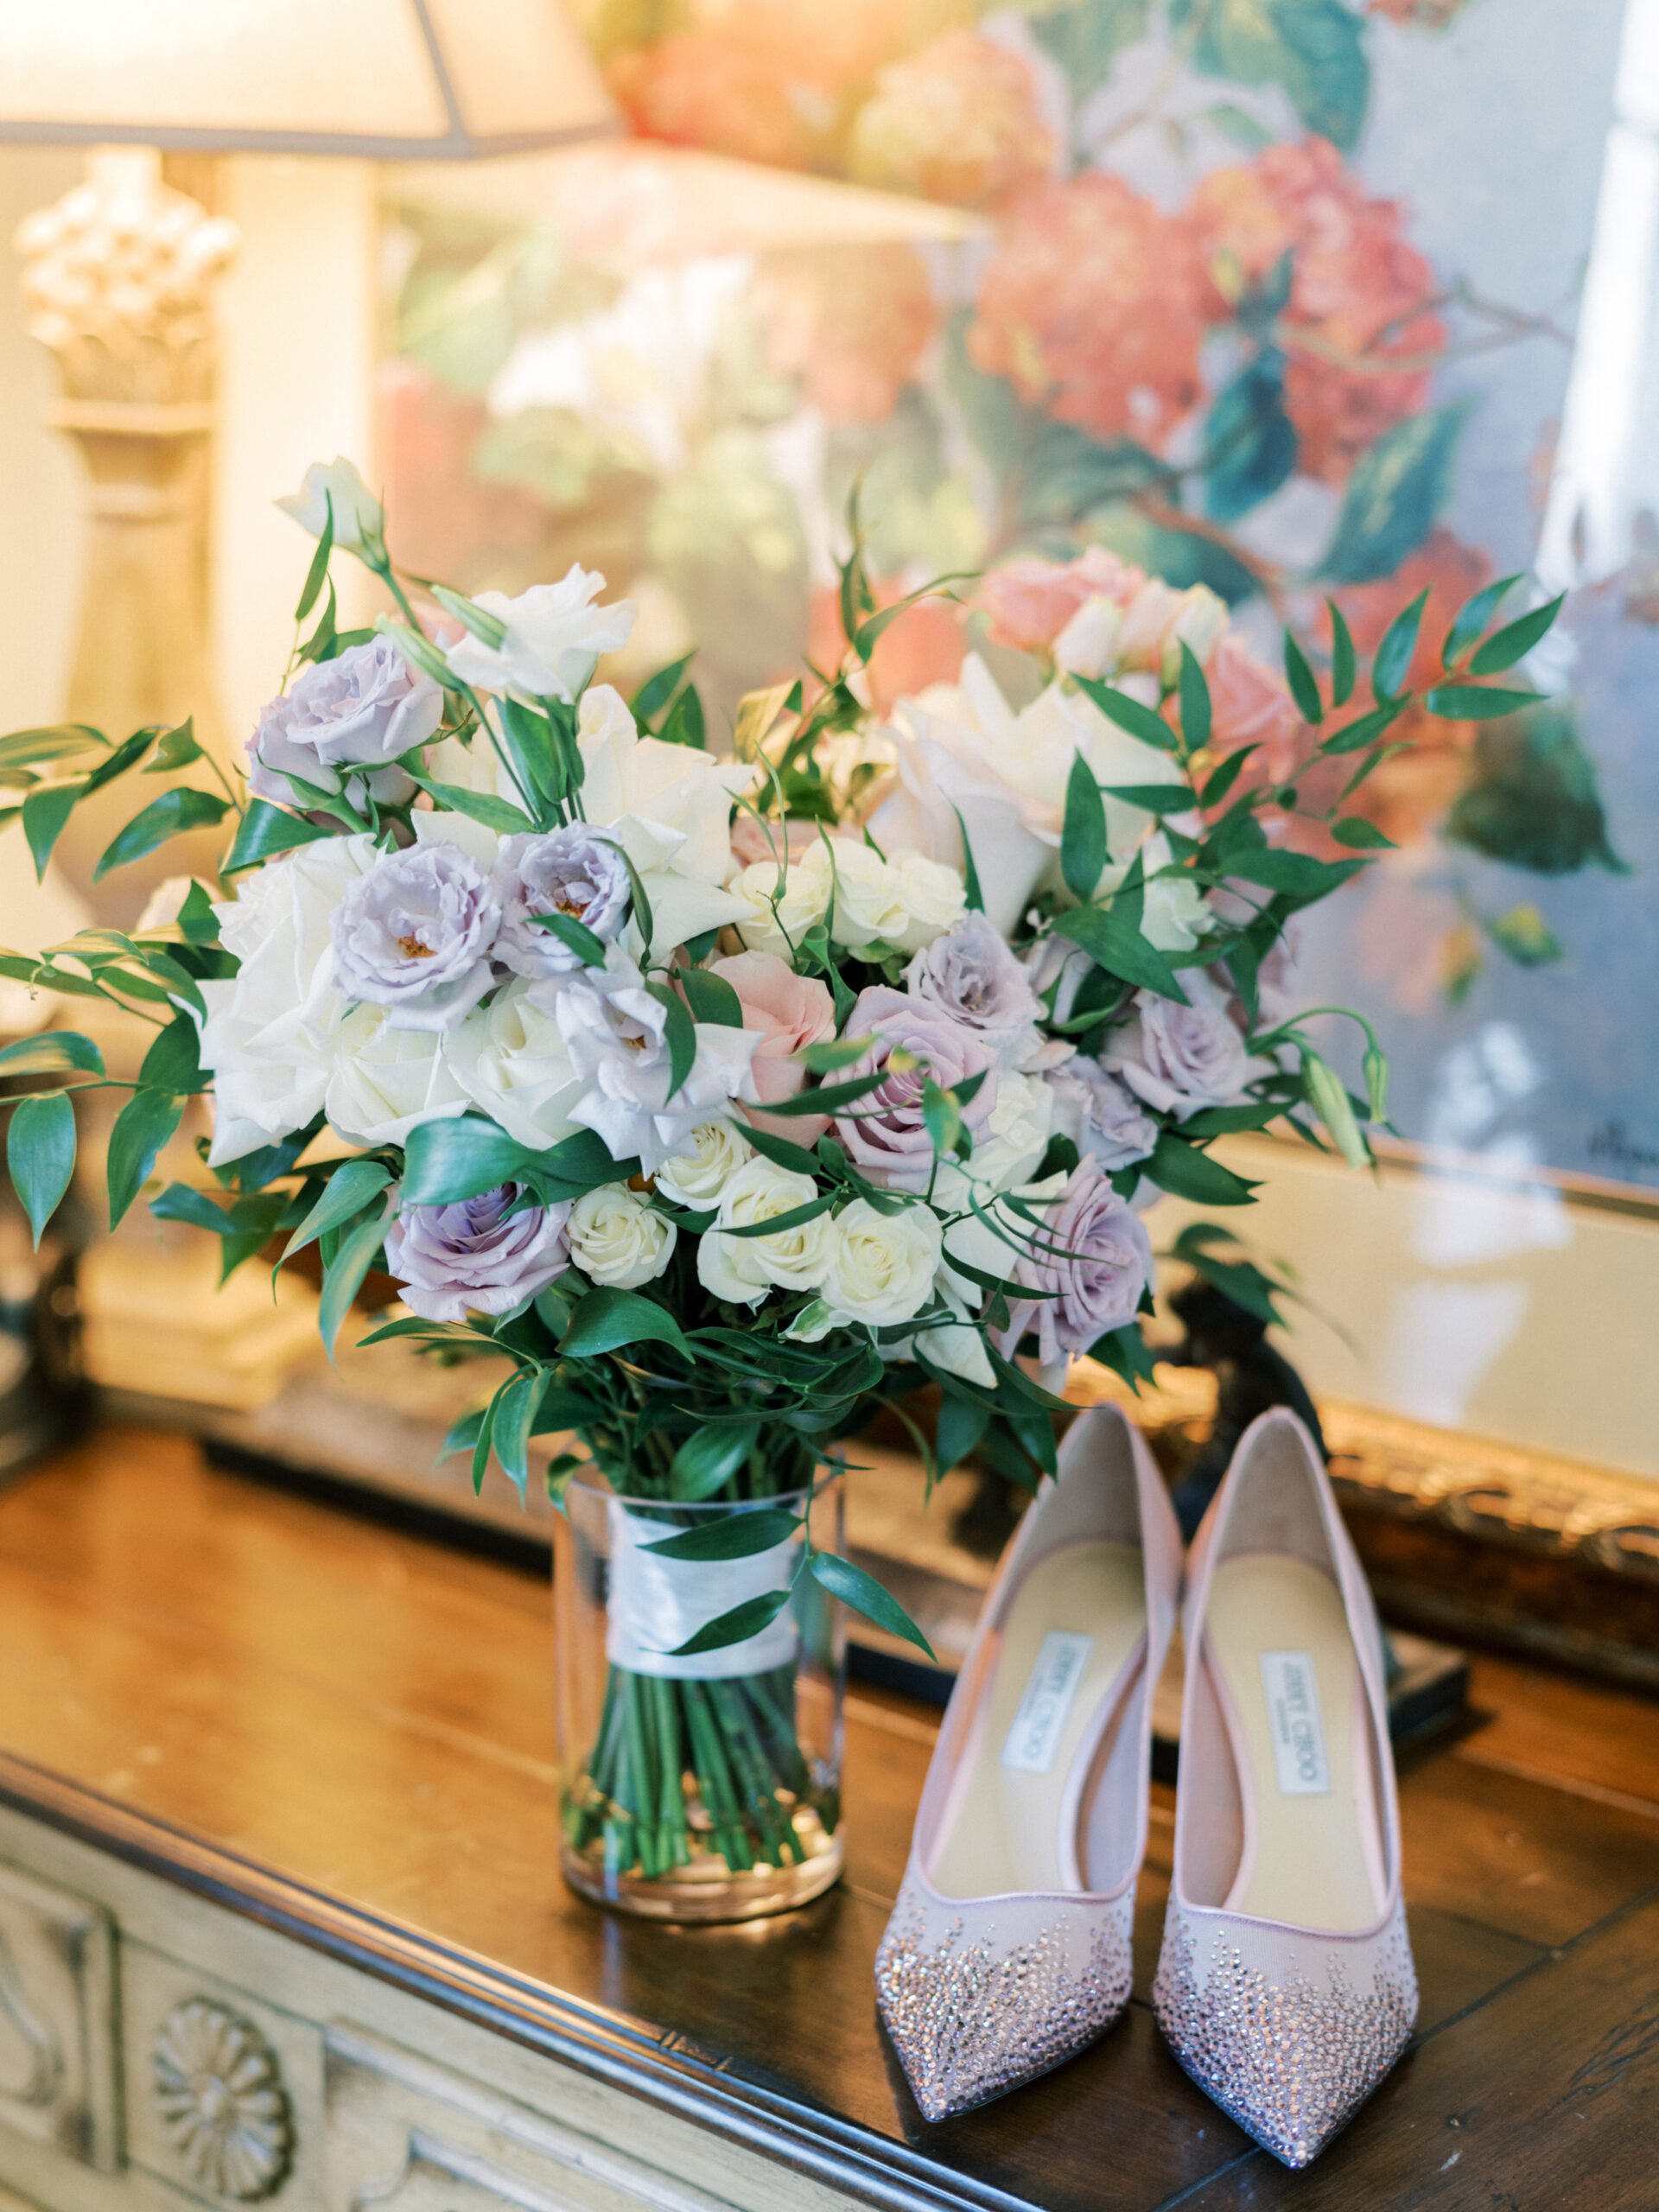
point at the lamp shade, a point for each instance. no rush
(431, 79)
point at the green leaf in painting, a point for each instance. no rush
(1394, 495)
(40, 1153)
(173, 812)
(1526, 937)
(1249, 444)
(1085, 38)
(1315, 49)
(1532, 800)
(142, 1127)
(1083, 834)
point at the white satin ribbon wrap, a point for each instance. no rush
(658, 1603)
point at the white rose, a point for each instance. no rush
(933, 897)
(881, 1265)
(1016, 1133)
(554, 636)
(742, 1269)
(360, 519)
(867, 901)
(806, 900)
(509, 1059)
(618, 1239)
(696, 1175)
(384, 1081)
(271, 1032)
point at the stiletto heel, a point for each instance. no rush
(1008, 1949)
(1286, 1986)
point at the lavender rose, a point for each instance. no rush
(883, 1133)
(414, 934)
(1101, 1115)
(359, 712)
(1094, 1255)
(568, 871)
(972, 975)
(1181, 1059)
(477, 1255)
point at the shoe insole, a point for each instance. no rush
(1078, 1620)
(1277, 1635)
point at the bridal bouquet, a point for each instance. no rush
(723, 1098)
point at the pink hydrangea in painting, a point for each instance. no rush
(1092, 306)
(958, 121)
(1361, 295)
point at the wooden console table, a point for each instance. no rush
(278, 1837)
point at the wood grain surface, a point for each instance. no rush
(369, 1714)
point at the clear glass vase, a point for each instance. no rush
(708, 1787)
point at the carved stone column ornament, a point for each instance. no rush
(219, 2091)
(118, 279)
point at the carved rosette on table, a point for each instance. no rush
(219, 2091)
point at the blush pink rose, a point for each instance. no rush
(789, 1011)
(1030, 602)
(1249, 705)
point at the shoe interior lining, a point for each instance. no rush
(1278, 1642)
(1005, 1829)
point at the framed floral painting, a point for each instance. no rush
(1301, 300)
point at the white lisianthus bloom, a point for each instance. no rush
(511, 1060)
(615, 1033)
(806, 900)
(1088, 645)
(964, 753)
(1173, 915)
(1159, 620)
(617, 1239)
(933, 897)
(360, 519)
(741, 1270)
(881, 1266)
(696, 1175)
(554, 636)
(1015, 1135)
(669, 807)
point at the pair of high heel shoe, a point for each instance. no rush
(1286, 1986)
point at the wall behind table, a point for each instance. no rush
(1515, 1311)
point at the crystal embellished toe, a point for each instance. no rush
(1288, 2036)
(1286, 1986)
(972, 2014)
(1008, 1949)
